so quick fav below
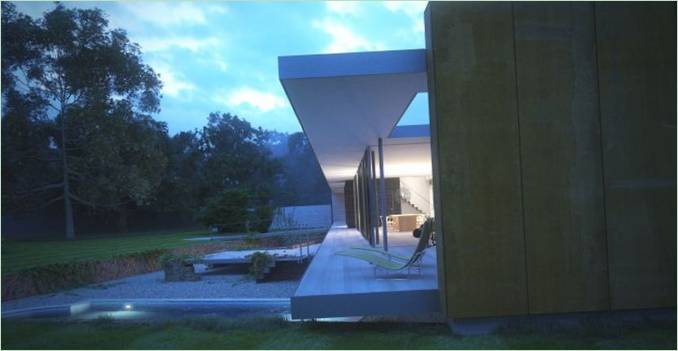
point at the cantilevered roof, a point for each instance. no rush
(345, 102)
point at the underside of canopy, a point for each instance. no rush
(345, 102)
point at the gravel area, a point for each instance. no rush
(229, 282)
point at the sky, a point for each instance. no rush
(215, 56)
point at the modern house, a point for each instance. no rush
(549, 162)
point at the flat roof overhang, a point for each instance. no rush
(345, 102)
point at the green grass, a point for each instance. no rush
(213, 333)
(19, 255)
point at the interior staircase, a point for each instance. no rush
(406, 196)
(409, 207)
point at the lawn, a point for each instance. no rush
(18, 255)
(213, 333)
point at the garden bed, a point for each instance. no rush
(46, 267)
(60, 276)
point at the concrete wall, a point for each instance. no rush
(338, 208)
(475, 136)
(349, 204)
(561, 157)
(291, 217)
(553, 143)
(637, 72)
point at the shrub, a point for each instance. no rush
(237, 211)
(263, 218)
(227, 211)
(170, 258)
(260, 264)
(68, 275)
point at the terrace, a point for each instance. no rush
(338, 286)
(351, 107)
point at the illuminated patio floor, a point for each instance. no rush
(339, 286)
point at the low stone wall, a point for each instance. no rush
(180, 272)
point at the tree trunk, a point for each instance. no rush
(68, 206)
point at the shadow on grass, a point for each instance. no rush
(275, 333)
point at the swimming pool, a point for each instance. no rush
(134, 309)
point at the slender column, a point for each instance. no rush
(382, 198)
(369, 163)
(376, 193)
(355, 202)
(332, 200)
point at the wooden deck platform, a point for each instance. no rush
(339, 286)
(242, 256)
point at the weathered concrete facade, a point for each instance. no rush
(561, 157)
(553, 144)
(637, 72)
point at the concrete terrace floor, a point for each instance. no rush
(339, 286)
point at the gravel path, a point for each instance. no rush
(231, 282)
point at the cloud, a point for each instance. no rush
(412, 9)
(172, 83)
(343, 7)
(217, 60)
(343, 38)
(261, 100)
(187, 43)
(221, 65)
(218, 8)
(165, 14)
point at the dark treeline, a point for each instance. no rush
(79, 141)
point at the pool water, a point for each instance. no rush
(135, 309)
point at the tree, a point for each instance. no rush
(183, 179)
(27, 155)
(227, 211)
(236, 159)
(89, 90)
(303, 183)
(128, 165)
(236, 210)
(236, 155)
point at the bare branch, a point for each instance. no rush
(29, 87)
(45, 204)
(49, 202)
(84, 202)
(73, 172)
(41, 188)
(37, 158)
(91, 204)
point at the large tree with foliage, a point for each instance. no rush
(303, 183)
(182, 184)
(236, 159)
(236, 155)
(77, 98)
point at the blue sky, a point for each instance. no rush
(222, 56)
